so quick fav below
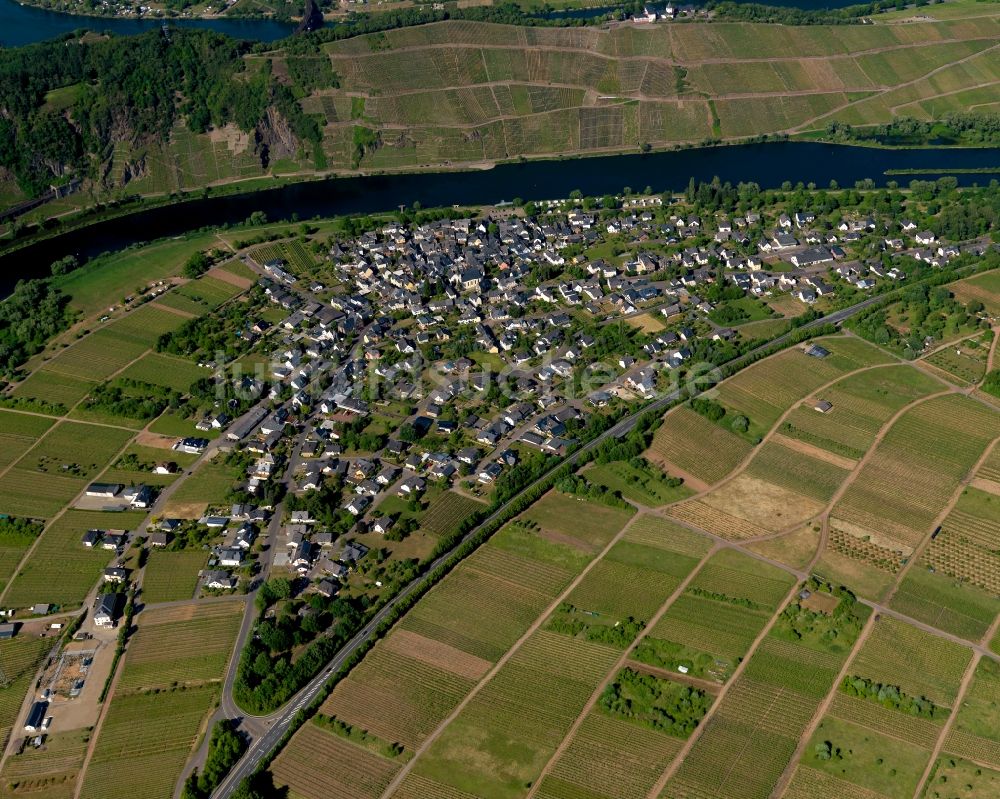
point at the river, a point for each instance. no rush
(22, 24)
(767, 164)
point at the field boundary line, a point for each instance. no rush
(822, 709)
(95, 733)
(68, 507)
(532, 629)
(949, 506)
(675, 764)
(613, 671)
(963, 687)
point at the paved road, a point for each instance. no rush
(283, 719)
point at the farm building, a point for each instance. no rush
(104, 490)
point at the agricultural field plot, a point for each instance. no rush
(918, 731)
(61, 571)
(609, 758)
(753, 732)
(630, 582)
(691, 443)
(638, 485)
(400, 698)
(53, 388)
(576, 521)
(963, 363)
(13, 546)
(145, 324)
(417, 675)
(975, 732)
(795, 549)
(165, 370)
(983, 783)
(965, 546)
(657, 531)
(144, 742)
(179, 302)
(764, 391)
(710, 627)
(96, 357)
(21, 658)
(985, 288)
(747, 507)
(448, 512)
(862, 404)
(866, 758)
(208, 292)
(171, 576)
(103, 279)
(755, 729)
(502, 739)
(808, 783)
(57, 468)
(18, 434)
(796, 471)
(732, 574)
(291, 252)
(852, 558)
(209, 485)
(945, 602)
(49, 772)
(537, 87)
(916, 468)
(920, 663)
(510, 605)
(182, 645)
(990, 469)
(367, 777)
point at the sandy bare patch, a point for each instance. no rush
(147, 439)
(795, 549)
(562, 538)
(878, 539)
(160, 306)
(220, 273)
(762, 503)
(673, 470)
(434, 653)
(813, 451)
(185, 510)
(236, 140)
(989, 486)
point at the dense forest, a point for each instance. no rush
(129, 90)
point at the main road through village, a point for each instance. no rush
(281, 721)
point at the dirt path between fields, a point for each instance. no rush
(657, 789)
(613, 672)
(963, 687)
(535, 626)
(815, 452)
(824, 706)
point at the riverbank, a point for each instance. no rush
(769, 165)
(66, 222)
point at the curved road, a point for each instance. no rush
(281, 721)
